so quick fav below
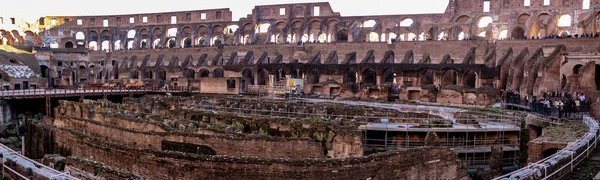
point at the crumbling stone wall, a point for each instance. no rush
(422, 163)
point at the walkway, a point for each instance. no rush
(41, 93)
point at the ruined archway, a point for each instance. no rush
(263, 77)
(161, 74)
(189, 74)
(342, 35)
(147, 74)
(427, 77)
(134, 75)
(517, 33)
(203, 73)
(247, 79)
(218, 73)
(450, 77)
(369, 77)
(470, 79)
(69, 44)
(388, 77)
(576, 68)
(350, 76)
(313, 76)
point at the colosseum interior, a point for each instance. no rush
(484, 90)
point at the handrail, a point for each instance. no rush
(539, 169)
(14, 172)
(40, 166)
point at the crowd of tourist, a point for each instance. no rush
(555, 103)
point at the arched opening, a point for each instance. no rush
(484, 21)
(93, 46)
(201, 41)
(369, 77)
(171, 32)
(388, 77)
(143, 44)
(351, 76)
(470, 79)
(135, 75)
(373, 37)
(550, 152)
(218, 73)
(117, 45)
(189, 73)
(156, 43)
(564, 33)
(503, 34)
(342, 35)
(231, 29)
(313, 76)
(263, 27)
(279, 75)
(105, 45)
(297, 74)
(161, 74)
(518, 33)
(576, 68)
(130, 44)
(79, 36)
(461, 36)
(131, 34)
(203, 73)
(171, 43)
(463, 19)
(187, 43)
(427, 77)
(369, 23)
(247, 79)
(216, 40)
(263, 77)
(45, 71)
(147, 74)
(69, 44)
(406, 22)
(449, 78)
(522, 19)
(564, 21)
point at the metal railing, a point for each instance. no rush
(562, 162)
(22, 160)
(69, 91)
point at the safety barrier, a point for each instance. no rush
(562, 162)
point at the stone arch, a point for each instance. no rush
(407, 22)
(463, 19)
(450, 77)
(342, 35)
(203, 73)
(69, 44)
(189, 74)
(564, 20)
(517, 33)
(313, 76)
(350, 76)
(388, 76)
(147, 74)
(369, 77)
(218, 73)
(247, 79)
(484, 21)
(470, 79)
(263, 77)
(576, 68)
(427, 77)
(161, 74)
(135, 74)
(522, 18)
